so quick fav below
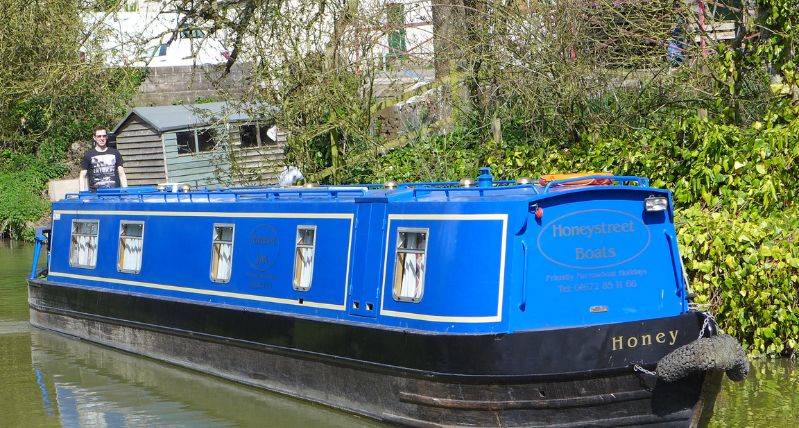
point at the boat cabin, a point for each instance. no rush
(496, 257)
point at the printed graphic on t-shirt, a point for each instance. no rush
(103, 170)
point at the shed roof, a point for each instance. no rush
(170, 118)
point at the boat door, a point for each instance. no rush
(366, 265)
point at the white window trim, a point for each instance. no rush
(232, 244)
(398, 250)
(72, 249)
(119, 250)
(294, 280)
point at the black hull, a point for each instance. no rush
(530, 379)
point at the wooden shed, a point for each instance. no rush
(210, 144)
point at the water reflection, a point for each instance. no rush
(84, 385)
(768, 398)
(48, 380)
(15, 265)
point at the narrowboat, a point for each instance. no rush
(559, 302)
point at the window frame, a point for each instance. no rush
(395, 289)
(72, 235)
(260, 130)
(194, 147)
(214, 241)
(122, 224)
(295, 282)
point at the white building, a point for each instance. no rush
(151, 37)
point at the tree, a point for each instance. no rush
(55, 85)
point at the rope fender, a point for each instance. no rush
(721, 352)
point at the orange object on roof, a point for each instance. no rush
(574, 179)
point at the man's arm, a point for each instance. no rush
(83, 182)
(123, 179)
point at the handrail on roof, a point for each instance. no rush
(620, 179)
(220, 195)
(480, 190)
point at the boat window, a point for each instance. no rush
(410, 264)
(83, 247)
(304, 257)
(131, 235)
(222, 253)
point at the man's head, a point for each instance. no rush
(100, 137)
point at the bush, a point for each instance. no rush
(733, 188)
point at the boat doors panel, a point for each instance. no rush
(366, 266)
(599, 257)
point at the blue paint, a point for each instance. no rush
(491, 265)
(48, 406)
(40, 240)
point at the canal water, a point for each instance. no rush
(47, 380)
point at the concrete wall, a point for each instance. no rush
(58, 188)
(187, 84)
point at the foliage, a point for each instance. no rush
(576, 86)
(51, 99)
(747, 269)
(22, 179)
(733, 189)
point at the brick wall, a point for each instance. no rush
(187, 84)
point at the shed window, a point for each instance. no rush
(131, 236)
(195, 141)
(83, 247)
(186, 142)
(222, 253)
(191, 33)
(205, 141)
(304, 257)
(256, 135)
(410, 264)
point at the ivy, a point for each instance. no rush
(734, 191)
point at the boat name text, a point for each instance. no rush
(588, 231)
(621, 342)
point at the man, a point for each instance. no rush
(101, 167)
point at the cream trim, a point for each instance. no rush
(448, 217)
(347, 273)
(201, 291)
(348, 216)
(437, 318)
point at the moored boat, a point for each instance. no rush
(494, 303)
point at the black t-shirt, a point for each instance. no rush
(101, 168)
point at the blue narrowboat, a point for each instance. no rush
(559, 302)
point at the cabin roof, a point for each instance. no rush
(173, 117)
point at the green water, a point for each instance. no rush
(47, 380)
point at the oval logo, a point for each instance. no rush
(594, 239)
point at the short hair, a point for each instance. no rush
(99, 127)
